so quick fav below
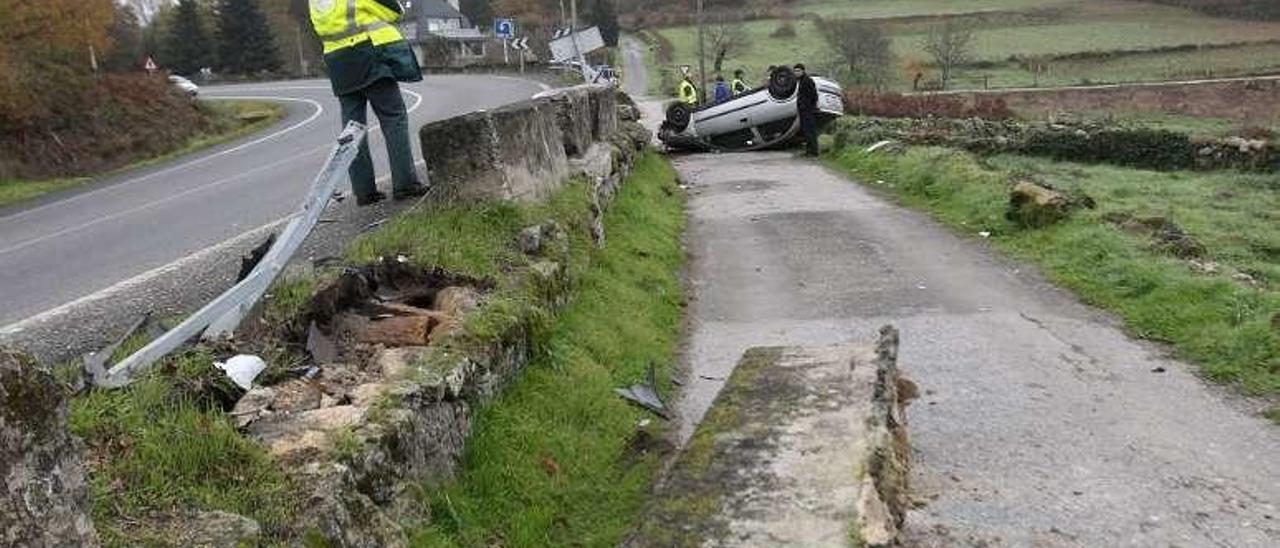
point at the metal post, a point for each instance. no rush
(505, 60)
(702, 56)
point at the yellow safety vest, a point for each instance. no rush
(345, 23)
(688, 93)
(739, 86)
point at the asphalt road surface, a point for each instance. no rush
(1039, 422)
(70, 245)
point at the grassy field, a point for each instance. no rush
(552, 466)
(1040, 29)
(1209, 315)
(227, 125)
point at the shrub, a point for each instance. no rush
(1156, 149)
(785, 30)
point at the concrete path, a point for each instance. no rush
(1039, 423)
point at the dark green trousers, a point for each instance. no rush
(384, 96)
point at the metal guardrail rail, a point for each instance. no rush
(223, 314)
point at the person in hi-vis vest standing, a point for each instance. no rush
(366, 57)
(688, 92)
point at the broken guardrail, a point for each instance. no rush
(222, 315)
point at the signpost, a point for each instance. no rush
(521, 45)
(150, 65)
(504, 28)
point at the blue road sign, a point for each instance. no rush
(504, 28)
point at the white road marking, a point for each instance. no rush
(145, 277)
(188, 192)
(316, 114)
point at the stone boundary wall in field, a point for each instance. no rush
(1254, 100)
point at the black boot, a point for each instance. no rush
(370, 199)
(410, 192)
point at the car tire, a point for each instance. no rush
(782, 83)
(678, 116)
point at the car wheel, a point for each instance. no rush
(782, 83)
(678, 115)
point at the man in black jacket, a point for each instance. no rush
(807, 106)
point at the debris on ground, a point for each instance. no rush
(1032, 205)
(646, 395)
(242, 369)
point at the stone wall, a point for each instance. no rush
(1256, 100)
(520, 151)
(44, 499)
(413, 431)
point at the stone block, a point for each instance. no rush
(514, 152)
(804, 446)
(604, 112)
(573, 116)
(44, 499)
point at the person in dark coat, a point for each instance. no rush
(807, 106)
(366, 56)
(722, 90)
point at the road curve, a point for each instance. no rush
(73, 244)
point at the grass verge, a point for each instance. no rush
(551, 462)
(1230, 328)
(164, 445)
(228, 124)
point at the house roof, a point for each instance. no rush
(433, 9)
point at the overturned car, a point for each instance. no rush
(762, 118)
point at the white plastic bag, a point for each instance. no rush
(242, 369)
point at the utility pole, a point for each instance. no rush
(702, 56)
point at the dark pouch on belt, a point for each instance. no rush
(399, 57)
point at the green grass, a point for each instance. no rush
(1035, 28)
(161, 445)
(884, 9)
(226, 126)
(1223, 325)
(549, 462)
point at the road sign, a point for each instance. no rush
(504, 28)
(520, 44)
(571, 45)
(150, 65)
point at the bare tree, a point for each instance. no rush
(951, 45)
(863, 50)
(726, 38)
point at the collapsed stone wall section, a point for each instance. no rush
(416, 430)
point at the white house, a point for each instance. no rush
(425, 19)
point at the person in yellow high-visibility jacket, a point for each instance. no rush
(688, 92)
(366, 57)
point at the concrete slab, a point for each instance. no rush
(804, 446)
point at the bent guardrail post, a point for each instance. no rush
(223, 314)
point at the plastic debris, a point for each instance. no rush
(646, 395)
(320, 346)
(242, 369)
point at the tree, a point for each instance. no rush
(44, 57)
(726, 38)
(246, 43)
(605, 16)
(863, 50)
(480, 12)
(950, 45)
(125, 52)
(187, 48)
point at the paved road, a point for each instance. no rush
(72, 245)
(635, 79)
(1040, 422)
